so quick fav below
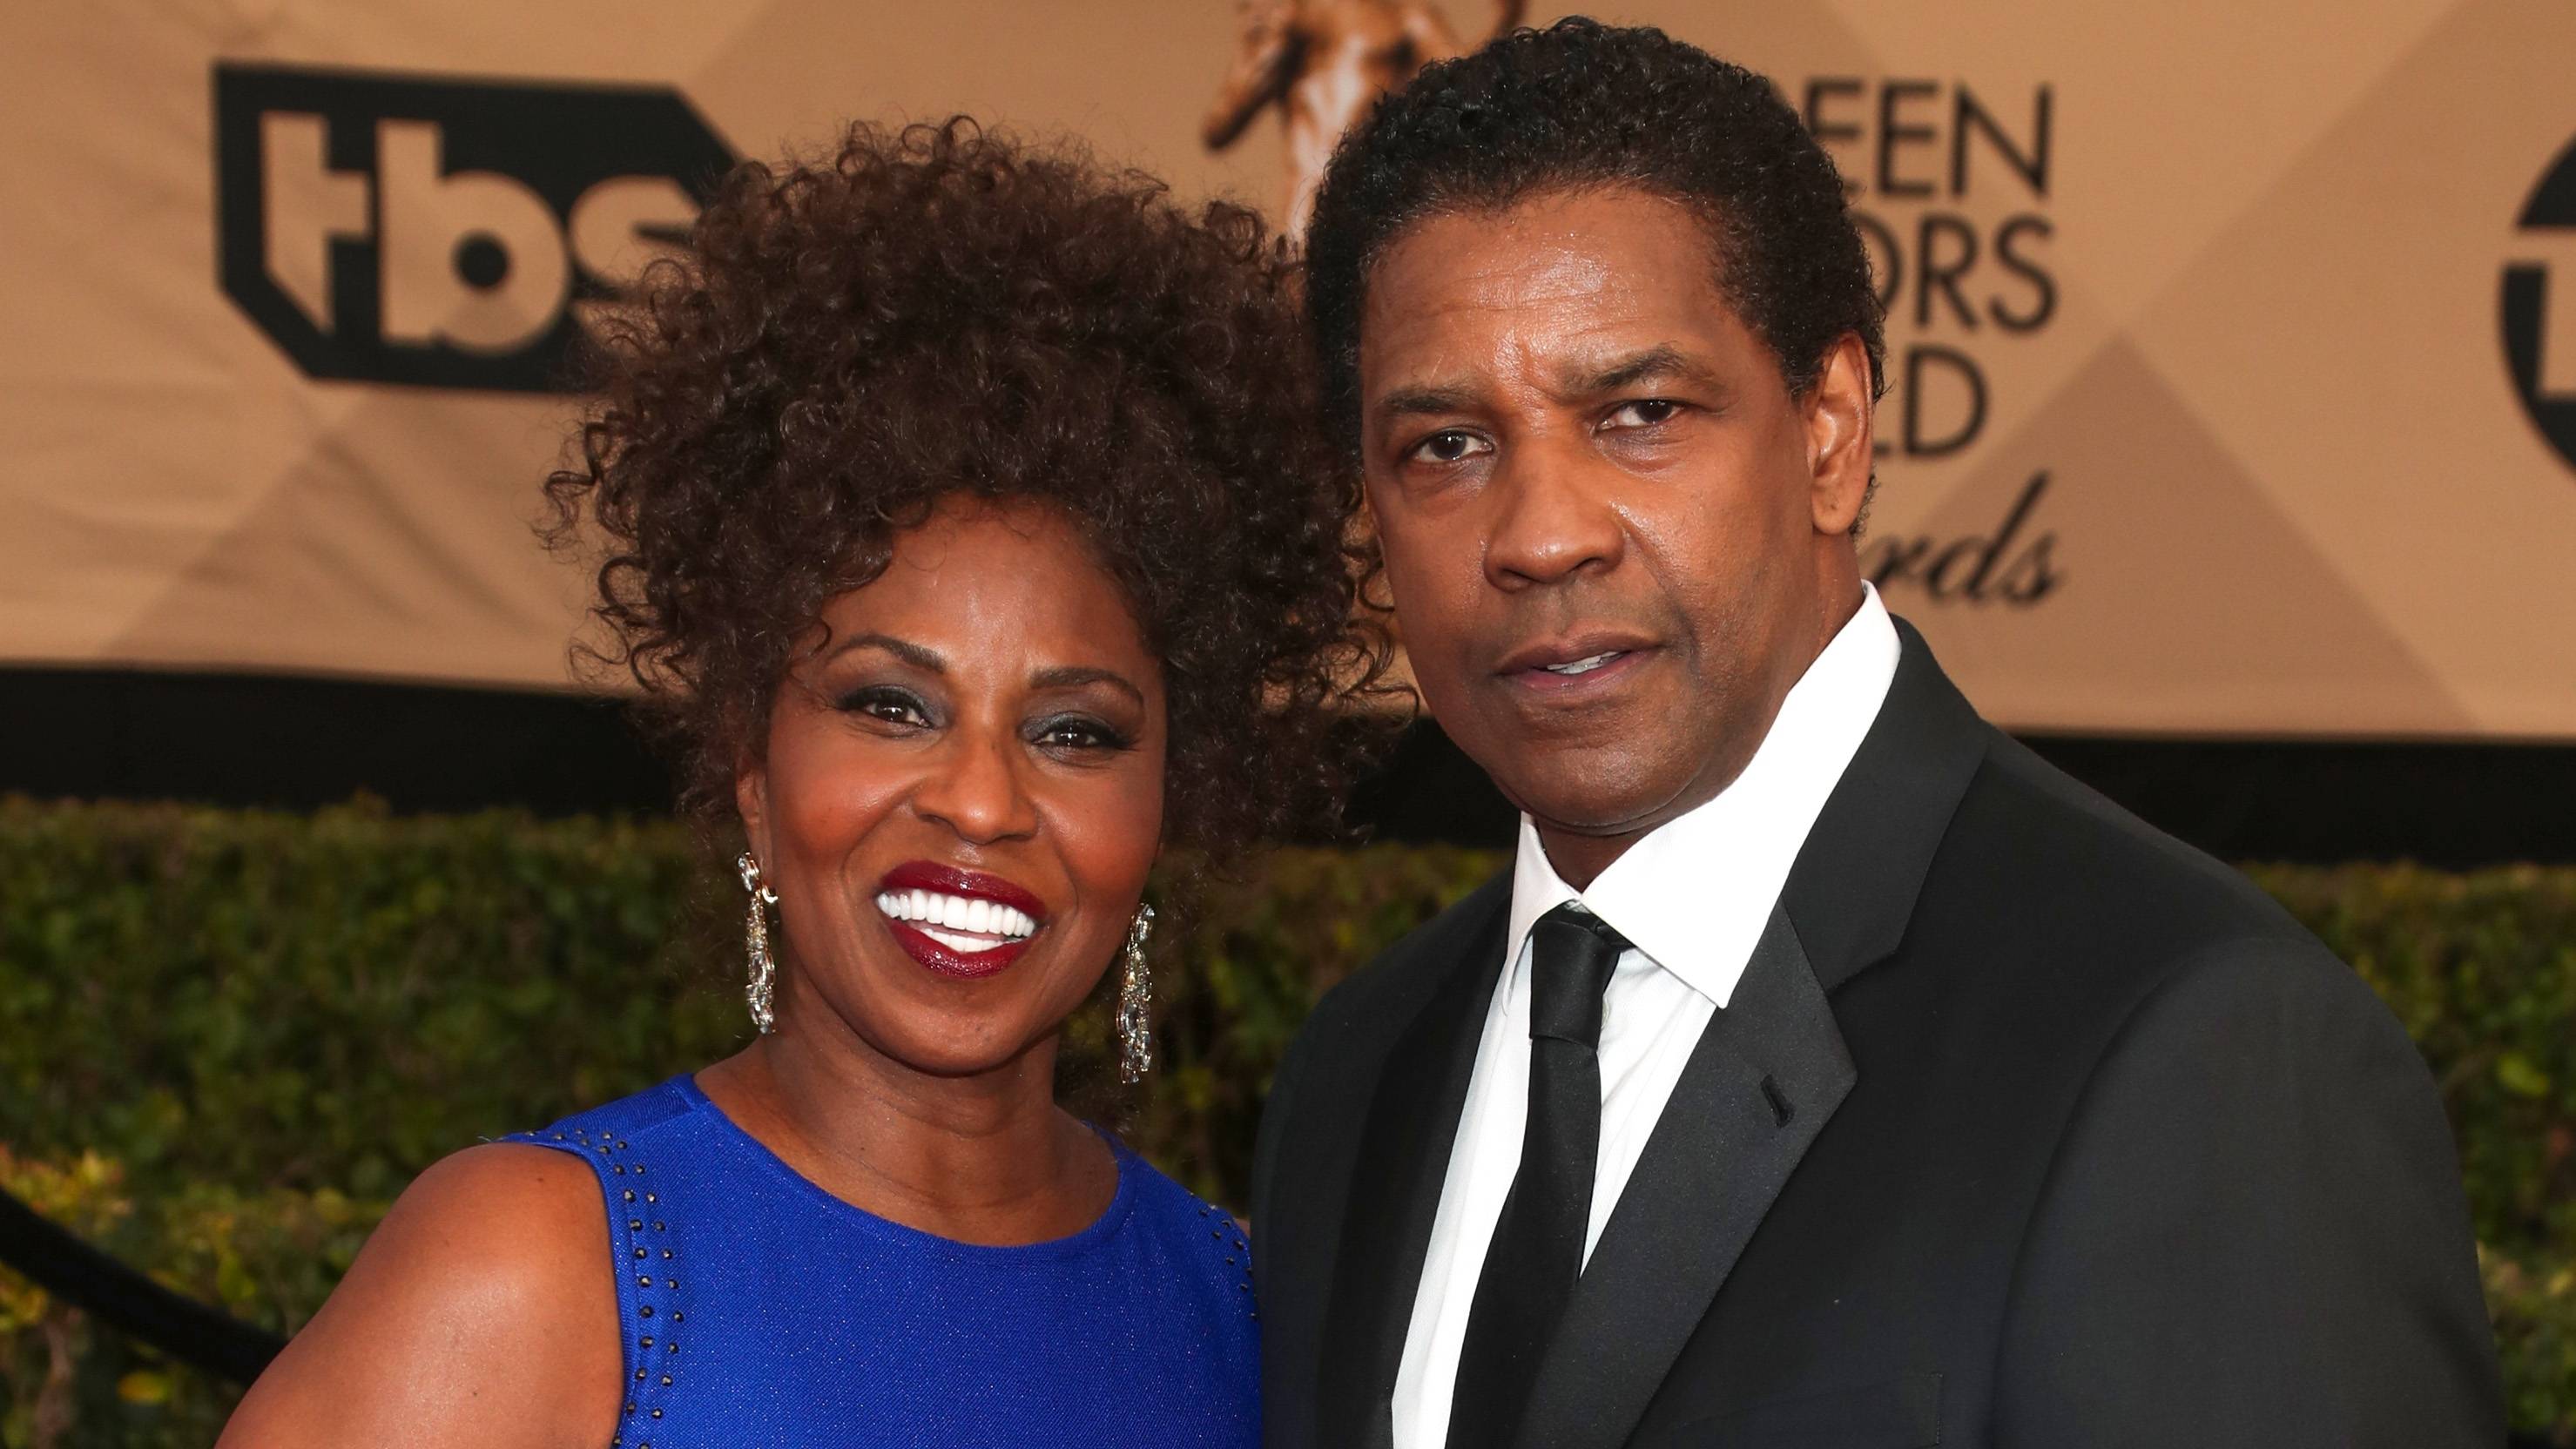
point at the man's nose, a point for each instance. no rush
(976, 788)
(1552, 518)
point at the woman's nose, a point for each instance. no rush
(976, 788)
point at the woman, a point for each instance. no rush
(967, 528)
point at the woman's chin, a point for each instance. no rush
(955, 1044)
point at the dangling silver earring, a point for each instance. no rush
(755, 940)
(1135, 1000)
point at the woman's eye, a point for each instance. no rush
(1449, 446)
(887, 706)
(1079, 734)
(1644, 413)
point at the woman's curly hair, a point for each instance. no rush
(939, 310)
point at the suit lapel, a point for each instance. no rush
(1396, 1182)
(1854, 885)
(1765, 1077)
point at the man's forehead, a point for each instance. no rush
(1462, 265)
(1568, 295)
(1582, 254)
(1554, 244)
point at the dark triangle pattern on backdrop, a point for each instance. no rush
(2249, 611)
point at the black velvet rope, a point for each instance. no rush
(190, 1331)
(187, 1330)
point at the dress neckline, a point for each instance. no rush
(1101, 1229)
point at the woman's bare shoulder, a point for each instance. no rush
(481, 1312)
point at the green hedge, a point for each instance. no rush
(2481, 969)
(228, 1038)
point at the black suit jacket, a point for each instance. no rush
(2026, 1126)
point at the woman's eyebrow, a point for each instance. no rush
(1074, 676)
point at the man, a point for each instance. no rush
(1827, 1070)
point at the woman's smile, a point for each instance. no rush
(958, 922)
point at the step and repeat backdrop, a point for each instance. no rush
(2234, 341)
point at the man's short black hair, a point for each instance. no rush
(1582, 105)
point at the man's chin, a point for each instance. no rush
(1593, 797)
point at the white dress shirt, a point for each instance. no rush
(1692, 897)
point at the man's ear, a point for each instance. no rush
(1837, 415)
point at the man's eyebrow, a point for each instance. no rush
(927, 660)
(1417, 401)
(1579, 380)
(1664, 360)
(1074, 676)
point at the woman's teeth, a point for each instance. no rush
(1584, 666)
(960, 923)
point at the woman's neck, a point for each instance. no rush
(987, 1158)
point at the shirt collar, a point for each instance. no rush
(1694, 894)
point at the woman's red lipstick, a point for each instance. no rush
(1004, 908)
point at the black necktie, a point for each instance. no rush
(1537, 1251)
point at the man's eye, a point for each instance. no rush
(1644, 413)
(1449, 446)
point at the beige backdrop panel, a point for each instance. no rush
(2221, 301)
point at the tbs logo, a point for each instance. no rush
(2539, 306)
(445, 233)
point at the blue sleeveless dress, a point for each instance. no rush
(759, 1310)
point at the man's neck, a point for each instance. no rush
(1579, 856)
(1578, 860)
